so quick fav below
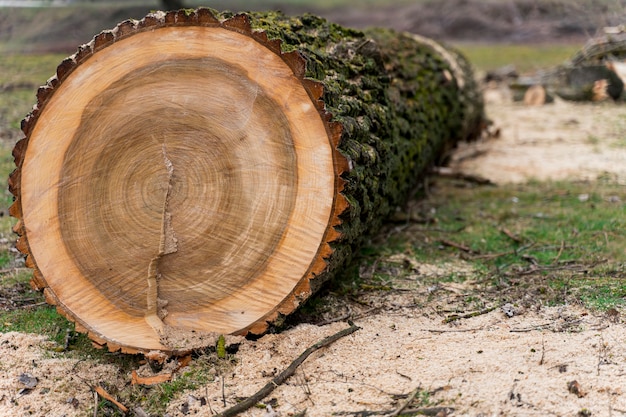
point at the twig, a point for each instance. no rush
(33, 305)
(453, 330)
(543, 350)
(490, 256)
(284, 375)
(350, 316)
(510, 235)
(530, 329)
(558, 255)
(335, 320)
(95, 404)
(523, 248)
(407, 402)
(223, 392)
(430, 411)
(455, 317)
(68, 338)
(7, 270)
(459, 246)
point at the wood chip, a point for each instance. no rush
(104, 394)
(149, 380)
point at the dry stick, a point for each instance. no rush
(7, 270)
(459, 246)
(284, 375)
(530, 329)
(558, 255)
(454, 330)
(406, 403)
(490, 256)
(510, 235)
(455, 317)
(431, 411)
(95, 404)
(223, 391)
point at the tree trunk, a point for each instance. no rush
(194, 173)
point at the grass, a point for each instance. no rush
(20, 76)
(43, 320)
(558, 242)
(525, 58)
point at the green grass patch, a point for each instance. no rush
(20, 76)
(17, 70)
(525, 58)
(560, 242)
(547, 223)
(43, 320)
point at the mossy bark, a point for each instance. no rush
(403, 102)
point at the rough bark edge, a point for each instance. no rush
(185, 17)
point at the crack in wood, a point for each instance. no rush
(168, 244)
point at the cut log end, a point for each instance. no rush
(191, 186)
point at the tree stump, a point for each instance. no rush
(196, 173)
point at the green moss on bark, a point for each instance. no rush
(398, 101)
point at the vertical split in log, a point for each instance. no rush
(155, 307)
(196, 173)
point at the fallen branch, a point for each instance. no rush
(284, 375)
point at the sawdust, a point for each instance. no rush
(487, 365)
(63, 385)
(558, 141)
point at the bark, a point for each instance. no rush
(385, 105)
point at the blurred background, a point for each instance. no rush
(62, 25)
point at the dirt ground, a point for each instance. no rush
(562, 361)
(562, 140)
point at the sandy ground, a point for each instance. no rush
(561, 361)
(488, 365)
(562, 140)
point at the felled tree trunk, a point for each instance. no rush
(195, 173)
